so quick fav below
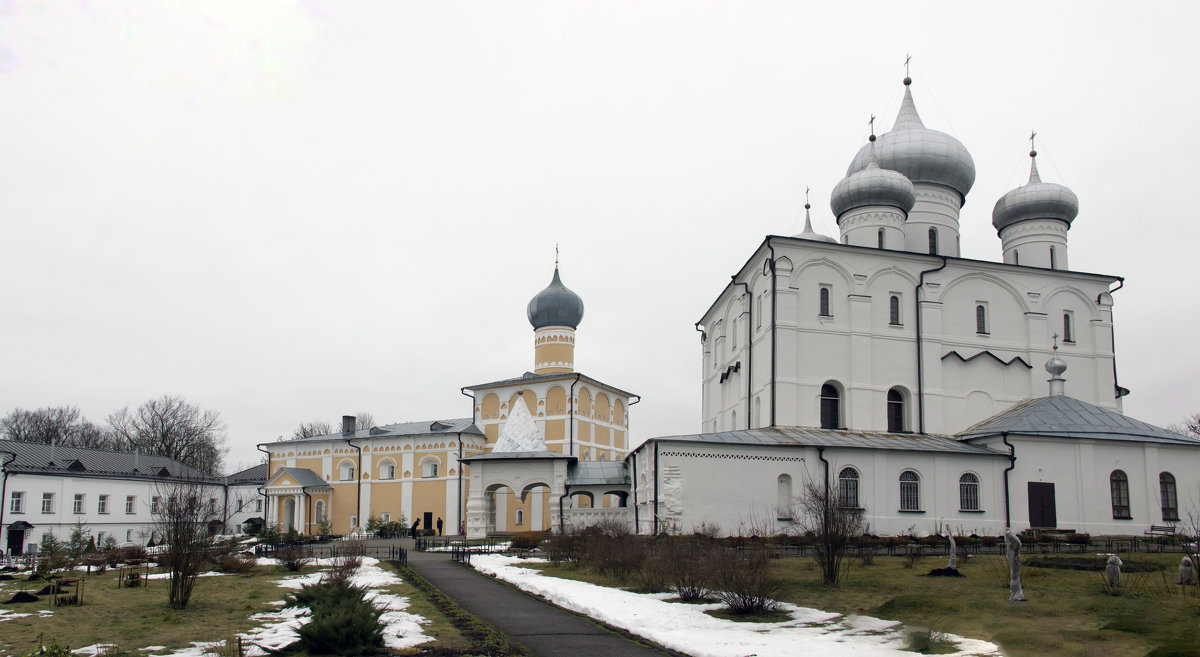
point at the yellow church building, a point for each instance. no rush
(415, 471)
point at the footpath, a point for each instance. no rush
(546, 630)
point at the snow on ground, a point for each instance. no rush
(686, 628)
(94, 649)
(490, 547)
(211, 573)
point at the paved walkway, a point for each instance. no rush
(545, 629)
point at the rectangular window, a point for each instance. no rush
(258, 505)
(212, 505)
(156, 504)
(47, 502)
(102, 504)
(385, 516)
(130, 503)
(128, 535)
(18, 502)
(758, 312)
(77, 507)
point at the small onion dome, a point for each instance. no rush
(555, 306)
(872, 185)
(1036, 200)
(1056, 366)
(809, 233)
(921, 154)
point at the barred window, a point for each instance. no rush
(1170, 501)
(968, 492)
(910, 491)
(848, 488)
(1119, 484)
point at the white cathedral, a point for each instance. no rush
(928, 389)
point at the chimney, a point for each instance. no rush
(348, 422)
(53, 448)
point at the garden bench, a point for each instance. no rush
(1161, 535)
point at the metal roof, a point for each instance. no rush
(502, 456)
(40, 458)
(1067, 417)
(252, 475)
(530, 377)
(597, 473)
(812, 437)
(427, 427)
(303, 476)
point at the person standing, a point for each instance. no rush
(439, 526)
(416, 523)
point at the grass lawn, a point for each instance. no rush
(1068, 612)
(134, 618)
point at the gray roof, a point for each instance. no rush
(40, 458)
(500, 456)
(252, 475)
(305, 477)
(1067, 417)
(811, 437)
(584, 473)
(530, 377)
(556, 305)
(427, 427)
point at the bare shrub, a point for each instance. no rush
(820, 512)
(237, 564)
(293, 557)
(182, 522)
(563, 547)
(527, 540)
(744, 582)
(687, 566)
(609, 549)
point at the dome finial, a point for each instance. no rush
(556, 256)
(807, 215)
(872, 124)
(907, 79)
(1056, 366)
(1033, 172)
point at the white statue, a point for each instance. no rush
(1013, 547)
(1112, 571)
(953, 554)
(1187, 572)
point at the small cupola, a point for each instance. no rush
(808, 233)
(872, 204)
(1056, 366)
(554, 313)
(1032, 220)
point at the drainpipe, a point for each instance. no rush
(462, 510)
(561, 521)
(1118, 391)
(571, 420)
(307, 511)
(749, 347)
(358, 475)
(770, 265)
(920, 350)
(4, 489)
(262, 490)
(1012, 463)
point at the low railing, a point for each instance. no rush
(326, 551)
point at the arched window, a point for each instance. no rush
(881, 238)
(1170, 501)
(319, 511)
(347, 472)
(387, 470)
(895, 411)
(848, 488)
(910, 491)
(1119, 485)
(1068, 328)
(429, 468)
(831, 411)
(933, 240)
(1053, 265)
(894, 310)
(824, 305)
(783, 497)
(520, 517)
(981, 319)
(968, 492)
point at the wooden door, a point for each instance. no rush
(1041, 505)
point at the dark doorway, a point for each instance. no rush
(1041, 505)
(427, 521)
(16, 537)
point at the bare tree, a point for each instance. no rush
(819, 510)
(365, 420)
(182, 523)
(63, 425)
(312, 429)
(171, 427)
(1190, 426)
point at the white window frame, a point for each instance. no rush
(427, 464)
(17, 502)
(156, 504)
(386, 516)
(77, 504)
(102, 504)
(47, 503)
(910, 491)
(969, 491)
(130, 504)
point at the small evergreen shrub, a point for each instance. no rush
(343, 621)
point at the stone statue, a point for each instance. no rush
(1112, 571)
(1187, 572)
(1012, 545)
(953, 554)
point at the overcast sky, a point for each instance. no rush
(289, 211)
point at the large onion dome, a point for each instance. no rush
(921, 154)
(872, 185)
(809, 233)
(1035, 200)
(555, 306)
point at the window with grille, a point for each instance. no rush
(848, 488)
(1119, 483)
(1170, 501)
(910, 491)
(968, 492)
(933, 241)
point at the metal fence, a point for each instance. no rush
(326, 551)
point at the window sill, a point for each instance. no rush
(983, 334)
(1122, 517)
(895, 325)
(910, 511)
(819, 315)
(971, 511)
(1166, 519)
(784, 519)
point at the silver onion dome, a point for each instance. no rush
(809, 233)
(872, 185)
(921, 154)
(555, 306)
(1056, 366)
(1035, 200)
